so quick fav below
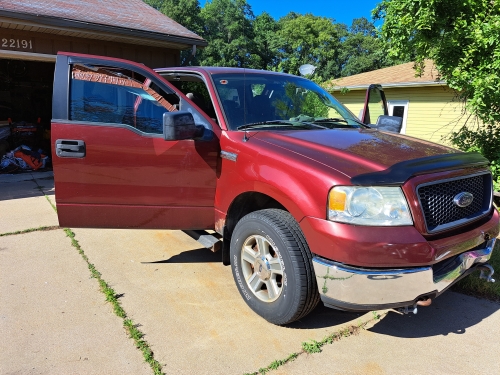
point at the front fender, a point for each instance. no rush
(302, 191)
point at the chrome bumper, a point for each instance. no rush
(351, 288)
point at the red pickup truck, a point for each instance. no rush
(311, 204)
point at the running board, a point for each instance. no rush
(208, 240)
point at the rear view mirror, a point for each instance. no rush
(389, 123)
(178, 126)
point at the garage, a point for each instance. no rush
(31, 34)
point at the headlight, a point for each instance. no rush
(377, 206)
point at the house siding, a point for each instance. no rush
(433, 111)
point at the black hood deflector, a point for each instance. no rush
(399, 173)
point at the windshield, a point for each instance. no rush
(275, 100)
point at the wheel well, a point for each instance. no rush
(241, 206)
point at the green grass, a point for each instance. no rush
(474, 286)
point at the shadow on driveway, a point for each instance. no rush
(201, 255)
(324, 317)
(450, 313)
(320, 317)
(26, 185)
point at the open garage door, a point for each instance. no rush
(25, 105)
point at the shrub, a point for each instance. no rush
(485, 140)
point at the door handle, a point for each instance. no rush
(70, 148)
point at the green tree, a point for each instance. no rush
(308, 39)
(265, 50)
(461, 36)
(227, 26)
(187, 14)
(184, 12)
(362, 49)
(463, 39)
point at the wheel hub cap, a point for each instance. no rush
(263, 269)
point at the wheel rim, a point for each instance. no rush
(262, 269)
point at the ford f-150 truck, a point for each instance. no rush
(311, 204)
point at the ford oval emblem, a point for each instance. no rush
(463, 199)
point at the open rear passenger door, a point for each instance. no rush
(115, 166)
(376, 113)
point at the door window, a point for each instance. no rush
(115, 96)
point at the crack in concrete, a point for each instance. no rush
(111, 296)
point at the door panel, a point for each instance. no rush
(143, 217)
(129, 176)
(122, 167)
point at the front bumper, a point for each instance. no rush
(360, 289)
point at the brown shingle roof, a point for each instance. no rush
(121, 14)
(395, 76)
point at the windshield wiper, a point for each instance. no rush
(325, 120)
(271, 122)
(330, 120)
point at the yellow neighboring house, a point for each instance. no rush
(429, 108)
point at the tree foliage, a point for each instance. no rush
(227, 26)
(308, 39)
(265, 47)
(461, 36)
(236, 37)
(463, 39)
(362, 51)
(184, 12)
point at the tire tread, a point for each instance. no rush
(291, 234)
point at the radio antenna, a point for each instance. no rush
(245, 138)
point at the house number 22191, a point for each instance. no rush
(17, 43)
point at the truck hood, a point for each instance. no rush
(353, 151)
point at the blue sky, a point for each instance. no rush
(341, 11)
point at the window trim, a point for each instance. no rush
(109, 124)
(399, 103)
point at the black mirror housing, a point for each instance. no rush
(178, 126)
(389, 123)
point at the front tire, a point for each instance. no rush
(272, 266)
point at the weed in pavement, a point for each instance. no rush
(112, 297)
(314, 346)
(39, 229)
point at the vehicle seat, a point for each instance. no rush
(200, 101)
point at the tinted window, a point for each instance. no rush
(254, 98)
(104, 96)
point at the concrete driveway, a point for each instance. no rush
(54, 319)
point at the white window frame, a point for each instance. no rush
(399, 103)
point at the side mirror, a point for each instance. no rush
(179, 126)
(389, 123)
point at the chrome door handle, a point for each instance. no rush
(70, 148)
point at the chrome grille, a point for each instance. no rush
(440, 212)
